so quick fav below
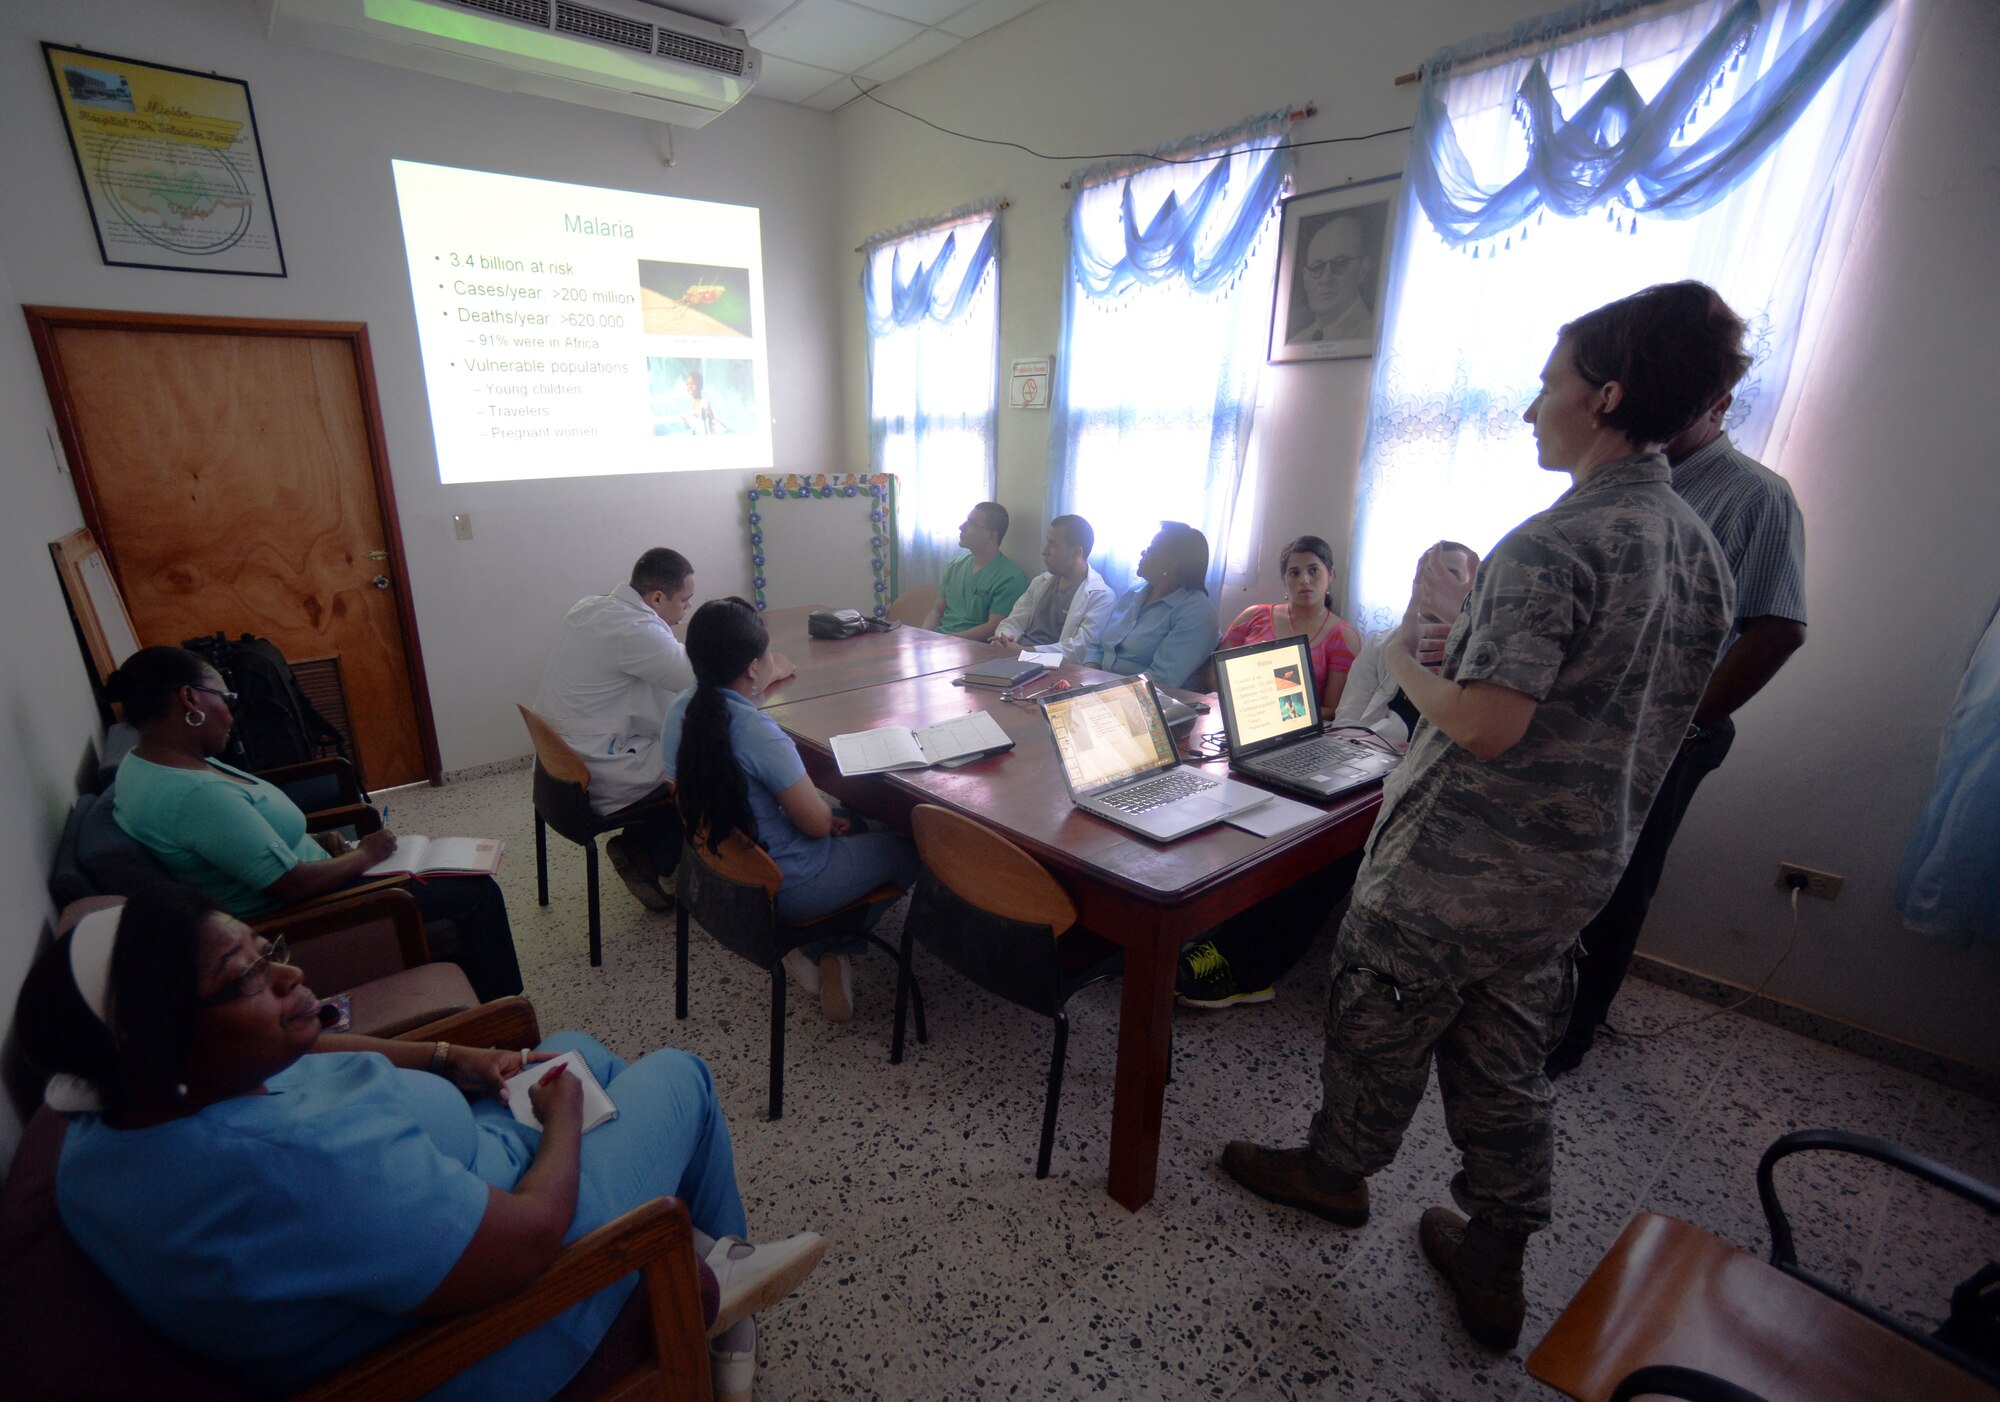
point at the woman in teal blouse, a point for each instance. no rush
(1164, 625)
(241, 842)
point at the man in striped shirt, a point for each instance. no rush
(1755, 519)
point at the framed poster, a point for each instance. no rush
(1332, 258)
(170, 163)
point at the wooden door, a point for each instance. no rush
(234, 473)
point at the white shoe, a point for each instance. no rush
(804, 972)
(751, 1277)
(836, 988)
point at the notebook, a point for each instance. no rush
(1001, 673)
(890, 747)
(1270, 716)
(1119, 762)
(597, 1106)
(440, 856)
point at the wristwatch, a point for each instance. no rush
(1697, 732)
(439, 1056)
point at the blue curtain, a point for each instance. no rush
(932, 300)
(1166, 305)
(1570, 162)
(1950, 882)
(1617, 146)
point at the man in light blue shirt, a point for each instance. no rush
(1164, 625)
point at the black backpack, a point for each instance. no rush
(275, 723)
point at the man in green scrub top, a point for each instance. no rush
(980, 586)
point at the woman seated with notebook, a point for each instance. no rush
(1306, 565)
(243, 843)
(284, 1213)
(1164, 625)
(736, 771)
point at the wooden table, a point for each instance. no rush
(1151, 898)
(827, 668)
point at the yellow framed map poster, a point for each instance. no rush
(170, 163)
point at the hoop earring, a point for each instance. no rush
(195, 719)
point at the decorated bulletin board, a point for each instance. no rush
(828, 540)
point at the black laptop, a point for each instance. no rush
(1270, 715)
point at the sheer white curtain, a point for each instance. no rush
(933, 366)
(1467, 327)
(1166, 308)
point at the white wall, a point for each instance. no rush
(330, 126)
(47, 717)
(1892, 457)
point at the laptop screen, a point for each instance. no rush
(1109, 734)
(1267, 693)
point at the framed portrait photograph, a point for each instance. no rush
(1332, 257)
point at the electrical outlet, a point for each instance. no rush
(461, 525)
(1823, 884)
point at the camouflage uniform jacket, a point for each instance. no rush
(1609, 608)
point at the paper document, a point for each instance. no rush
(898, 747)
(1274, 816)
(597, 1106)
(416, 855)
(1048, 659)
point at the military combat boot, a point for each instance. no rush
(1483, 1268)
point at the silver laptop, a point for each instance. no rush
(1120, 763)
(1270, 715)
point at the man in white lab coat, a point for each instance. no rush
(616, 668)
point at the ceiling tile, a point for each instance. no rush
(983, 15)
(730, 14)
(834, 35)
(922, 11)
(922, 49)
(791, 82)
(834, 95)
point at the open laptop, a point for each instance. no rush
(1270, 715)
(1120, 763)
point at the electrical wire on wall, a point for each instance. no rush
(1309, 111)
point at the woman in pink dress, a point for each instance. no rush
(1307, 567)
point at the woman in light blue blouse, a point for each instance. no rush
(281, 1200)
(1164, 625)
(736, 771)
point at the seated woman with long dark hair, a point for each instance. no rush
(736, 771)
(283, 1213)
(242, 842)
(1306, 564)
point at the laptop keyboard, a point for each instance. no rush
(1321, 756)
(1156, 793)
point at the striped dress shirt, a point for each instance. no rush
(1757, 522)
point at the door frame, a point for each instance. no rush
(43, 324)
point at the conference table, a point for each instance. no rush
(1150, 898)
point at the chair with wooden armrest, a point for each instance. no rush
(562, 802)
(67, 1332)
(1668, 1294)
(370, 944)
(733, 894)
(994, 914)
(913, 605)
(329, 781)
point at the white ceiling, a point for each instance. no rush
(812, 48)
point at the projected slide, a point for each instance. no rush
(569, 331)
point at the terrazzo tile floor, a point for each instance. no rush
(953, 1273)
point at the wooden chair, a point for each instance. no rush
(993, 913)
(733, 894)
(913, 606)
(68, 1332)
(562, 802)
(1670, 1296)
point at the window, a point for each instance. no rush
(1165, 311)
(933, 301)
(1510, 226)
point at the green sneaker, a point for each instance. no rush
(1204, 980)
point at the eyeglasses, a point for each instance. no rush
(1330, 267)
(251, 981)
(229, 698)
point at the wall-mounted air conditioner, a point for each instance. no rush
(619, 55)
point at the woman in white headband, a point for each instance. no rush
(282, 1213)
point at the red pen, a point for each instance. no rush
(553, 1072)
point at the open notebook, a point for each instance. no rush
(898, 747)
(440, 856)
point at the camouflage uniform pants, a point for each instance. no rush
(1488, 1015)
